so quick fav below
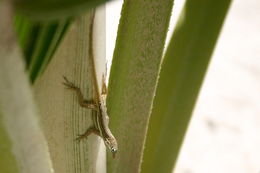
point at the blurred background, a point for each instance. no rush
(223, 133)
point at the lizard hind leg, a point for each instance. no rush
(69, 84)
(87, 133)
(82, 102)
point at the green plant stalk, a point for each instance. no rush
(40, 26)
(60, 31)
(8, 162)
(183, 69)
(27, 35)
(47, 42)
(39, 41)
(54, 9)
(133, 78)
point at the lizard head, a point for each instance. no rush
(111, 143)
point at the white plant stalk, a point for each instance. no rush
(19, 114)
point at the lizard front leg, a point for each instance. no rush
(88, 132)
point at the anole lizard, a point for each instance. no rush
(100, 119)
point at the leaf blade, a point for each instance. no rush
(133, 77)
(182, 73)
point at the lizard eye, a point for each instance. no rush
(113, 150)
